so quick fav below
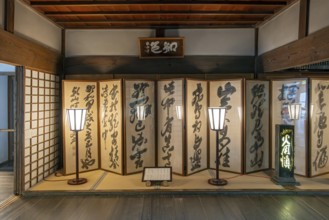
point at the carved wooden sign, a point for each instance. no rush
(163, 47)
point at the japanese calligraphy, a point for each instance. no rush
(321, 158)
(110, 123)
(287, 95)
(161, 47)
(166, 132)
(155, 47)
(224, 94)
(286, 158)
(256, 150)
(89, 99)
(138, 139)
(197, 95)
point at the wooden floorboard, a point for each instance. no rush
(6, 185)
(299, 209)
(189, 207)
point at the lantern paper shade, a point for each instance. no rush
(294, 111)
(179, 111)
(140, 112)
(76, 118)
(216, 118)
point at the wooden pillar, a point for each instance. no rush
(20, 133)
(303, 18)
(9, 15)
(159, 32)
(256, 54)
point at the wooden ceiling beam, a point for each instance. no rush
(187, 20)
(109, 3)
(309, 50)
(171, 26)
(176, 12)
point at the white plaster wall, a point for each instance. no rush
(2, 6)
(229, 42)
(33, 26)
(104, 42)
(125, 42)
(4, 118)
(319, 15)
(279, 31)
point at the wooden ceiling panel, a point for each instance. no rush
(156, 13)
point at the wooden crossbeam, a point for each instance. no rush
(108, 3)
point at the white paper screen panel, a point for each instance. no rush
(170, 124)
(38, 162)
(196, 125)
(111, 132)
(229, 94)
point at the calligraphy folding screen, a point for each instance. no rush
(285, 92)
(81, 95)
(139, 132)
(196, 125)
(170, 124)
(229, 94)
(110, 113)
(257, 126)
(319, 131)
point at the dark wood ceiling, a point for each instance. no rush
(161, 14)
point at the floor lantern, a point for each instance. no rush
(77, 119)
(285, 149)
(216, 120)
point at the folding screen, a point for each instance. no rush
(139, 133)
(81, 94)
(110, 129)
(170, 124)
(257, 126)
(285, 92)
(196, 125)
(319, 127)
(229, 94)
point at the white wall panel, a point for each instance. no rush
(234, 42)
(31, 25)
(279, 31)
(2, 6)
(319, 15)
(104, 42)
(125, 42)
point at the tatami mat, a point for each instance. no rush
(59, 183)
(104, 181)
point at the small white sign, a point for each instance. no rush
(157, 174)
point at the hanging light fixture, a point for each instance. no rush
(294, 110)
(216, 122)
(140, 112)
(77, 118)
